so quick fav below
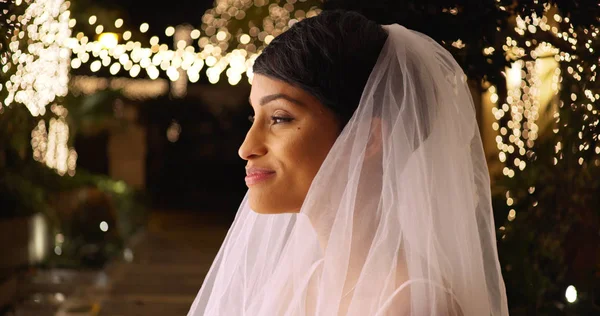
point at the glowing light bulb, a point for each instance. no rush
(170, 31)
(513, 75)
(245, 39)
(104, 226)
(108, 40)
(571, 294)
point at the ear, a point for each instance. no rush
(375, 144)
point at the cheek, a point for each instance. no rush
(298, 153)
(307, 152)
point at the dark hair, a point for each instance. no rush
(329, 56)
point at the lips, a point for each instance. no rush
(255, 175)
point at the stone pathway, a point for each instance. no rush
(159, 275)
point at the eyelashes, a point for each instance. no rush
(274, 119)
(280, 119)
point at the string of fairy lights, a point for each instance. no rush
(40, 64)
(213, 41)
(517, 117)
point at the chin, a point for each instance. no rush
(273, 200)
(267, 210)
(270, 208)
(261, 211)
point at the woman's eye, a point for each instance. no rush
(279, 119)
(274, 119)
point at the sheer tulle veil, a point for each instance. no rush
(398, 220)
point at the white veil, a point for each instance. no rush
(398, 220)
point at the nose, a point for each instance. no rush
(253, 145)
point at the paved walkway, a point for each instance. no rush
(159, 275)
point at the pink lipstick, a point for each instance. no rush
(256, 175)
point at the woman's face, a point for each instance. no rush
(290, 137)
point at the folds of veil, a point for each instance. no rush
(398, 220)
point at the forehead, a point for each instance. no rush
(263, 86)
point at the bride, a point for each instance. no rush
(368, 187)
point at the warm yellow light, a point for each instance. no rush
(513, 75)
(234, 79)
(245, 39)
(193, 77)
(126, 35)
(170, 31)
(458, 44)
(571, 294)
(95, 65)
(38, 239)
(512, 214)
(557, 18)
(118, 23)
(108, 40)
(211, 61)
(268, 39)
(75, 63)
(144, 27)
(92, 19)
(152, 72)
(494, 98)
(114, 69)
(104, 226)
(135, 70)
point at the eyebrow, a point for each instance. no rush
(272, 97)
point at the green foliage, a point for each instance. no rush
(20, 196)
(84, 201)
(90, 114)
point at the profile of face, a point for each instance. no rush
(291, 134)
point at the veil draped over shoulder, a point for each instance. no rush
(398, 220)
